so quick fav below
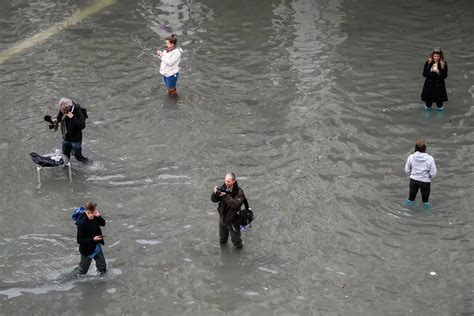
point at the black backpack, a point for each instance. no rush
(83, 110)
(246, 215)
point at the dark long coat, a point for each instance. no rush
(229, 204)
(434, 89)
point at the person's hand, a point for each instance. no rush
(159, 52)
(69, 114)
(220, 192)
(96, 213)
(97, 238)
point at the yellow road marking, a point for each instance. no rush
(43, 36)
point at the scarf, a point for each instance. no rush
(63, 124)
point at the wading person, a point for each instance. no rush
(229, 198)
(72, 120)
(169, 67)
(90, 239)
(421, 168)
(434, 88)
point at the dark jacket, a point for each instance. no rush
(73, 126)
(434, 89)
(87, 229)
(229, 204)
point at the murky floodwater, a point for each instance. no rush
(314, 105)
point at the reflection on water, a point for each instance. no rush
(313, 106)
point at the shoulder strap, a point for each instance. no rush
(246, 203)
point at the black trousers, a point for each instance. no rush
(424, 187)
(234, 231)
(438, 104)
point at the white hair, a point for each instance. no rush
(230, 174)
(65, 102)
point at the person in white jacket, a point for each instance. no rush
(169, 68)
(421, 168)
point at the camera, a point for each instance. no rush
(222, 189)
(53, 124)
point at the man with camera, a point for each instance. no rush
(72, 120)
(229, 198)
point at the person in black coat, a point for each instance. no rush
(435, 71)
(90, 239)
(72, 121)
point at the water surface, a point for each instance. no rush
(313, 104)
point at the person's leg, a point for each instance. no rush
(235, 236)
(171, 84)
(83, 266)
(175, 78)
(66, 149)
(223, 233)
(100, 262)
(428, 105)
(414, 186)
(167, 84)
(410, 201)
(77, 147)
(440, 106)
(425, 188)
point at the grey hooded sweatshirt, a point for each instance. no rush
(421, 167)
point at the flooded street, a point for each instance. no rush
(314, 104)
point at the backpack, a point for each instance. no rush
(76, 214)
(246, 215)
(84, 110)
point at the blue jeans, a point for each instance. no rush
(73, 146)
(170, 81)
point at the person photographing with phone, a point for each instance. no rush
(169, 68)
(435, 71)
(90, 239)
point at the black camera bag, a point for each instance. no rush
(246, 215)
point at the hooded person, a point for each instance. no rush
(421, 168)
